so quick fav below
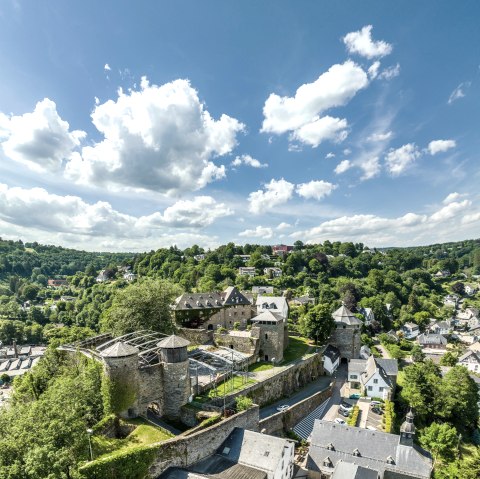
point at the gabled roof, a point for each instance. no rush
(332, 353)
(371, 368)
(374, 449)
(431, 339)
(346, 470)
(233, 296)
(357, 365)
(173, 342)
(345, 316)
(119, 350)
(272, 302)
(390, 366)
(473, 354)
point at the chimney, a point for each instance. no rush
(15, 350)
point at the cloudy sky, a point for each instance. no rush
(137, 125)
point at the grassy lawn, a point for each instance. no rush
(237, 383)
(297, 348)
(257, 367)
(145, 433)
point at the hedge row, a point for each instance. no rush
(354, 415)
(389, 416)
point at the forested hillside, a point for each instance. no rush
(328, 272)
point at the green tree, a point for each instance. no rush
(448, 359)
(317, 323)
(440, 440)
(142, 305)
(417, 354)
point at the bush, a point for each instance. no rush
(210, 421)
(389, 416)
(354, 415)
(236, 325)
(243, 403)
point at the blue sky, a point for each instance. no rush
(136, 125)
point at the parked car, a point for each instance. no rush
(346, 406)
(340, 421)
(375, 403)
(354, 396)
(283, 407)
(343, 412)
(377, 410)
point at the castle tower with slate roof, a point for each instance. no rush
(346, 335)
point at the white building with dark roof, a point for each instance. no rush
(275, 304)
(471, 360)
(388, 455)
(331, 359)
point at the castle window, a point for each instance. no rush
(266, 336)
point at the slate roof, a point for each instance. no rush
(356, 365)
(332, 353)
(346, 470)
(427, 339)
(338, 442)
(119, 350)
(345, 316)
(267, 316)
(272, 302)
(390, 366)
(173, 342)
(371, 368)
(476, 356)
(212, 300)
(253, 449)
(233, 296)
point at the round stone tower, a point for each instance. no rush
(120, 362)
(176, 377)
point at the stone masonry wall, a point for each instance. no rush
(283, 421)
(283, 384)
(183, 451)
(347, 340)
(244, 344)
(196, 336)
(151, 388)
(176, 386)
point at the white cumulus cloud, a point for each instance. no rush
(158, 138)
(301, 114)
(361, 43)
(284, 226)
(276, 192)
(390, 72)
(259, 232)
(249, 161)
(399, 160)
(452, 197)
(371, 167)
(316, 189)
(343, 166)
(40, 139)
(439, 146)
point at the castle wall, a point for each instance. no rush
(183, 451)
(283, 384)
(196, 336)
(151, 388)
(244, 344)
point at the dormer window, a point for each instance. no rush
(327, 462)
(356, 452)
(330, 447)
(390, 460)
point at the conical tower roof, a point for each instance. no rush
(119, 350)
(173, 342)
(345, 316)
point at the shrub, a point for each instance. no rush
(243, 403)
(389, 416)
(354, 415)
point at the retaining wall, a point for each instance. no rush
(283, 384)
(286, 420)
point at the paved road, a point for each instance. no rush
(315, 386)
(384, 352)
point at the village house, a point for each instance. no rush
(273, 272)
(247, 271)
(376, 377)
(302, 300)
(471, 360)
(410, 330)
(368, 315)
(470, 289)
(102, 277)
(199, 257)
(281, 249)
(57, 283)
(129, 277)
(440, 327)
(262, 289)
(432, 343)
(345, 452)
(444, 273)
(331, 359)
(244, 257)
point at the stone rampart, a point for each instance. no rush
(283, 421)
(183, 451)
(151, 388)
(283, 384)
(240, 341)
(196, 336)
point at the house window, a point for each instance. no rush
(370, 388)
(381, 389)
(375, 381)
(353, 376)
